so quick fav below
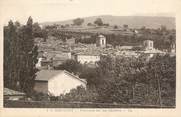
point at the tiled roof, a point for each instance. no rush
(10, 92)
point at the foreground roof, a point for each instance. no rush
(10, 92)
(45, 75)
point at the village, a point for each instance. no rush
(50, 56)
(70, 64)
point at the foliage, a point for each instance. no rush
(115, 27)
(90, 74)
(36, 96)
(89, 24)
(20, 55)
(80, 94)
(98, 22)
(121, 79)
(11, 60)
(38, 32)
(162, 69)
(71, 66)
(78, 21)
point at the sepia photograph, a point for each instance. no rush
(88, 54)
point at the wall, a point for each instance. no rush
(62, 84)
(88, 58)
(148, 45)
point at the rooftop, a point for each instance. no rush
(45, 75)
(100, 36)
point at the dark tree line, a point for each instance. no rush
(20, 56)
(127, 80)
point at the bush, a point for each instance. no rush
(80, 95)
(39, 96)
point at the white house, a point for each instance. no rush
(148, 45)
(87, 58)
(56, 82)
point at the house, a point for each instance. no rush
(87, 58)
(151, 53)
(56, 82)
(10, 94)
(148, 45)
(101, 41)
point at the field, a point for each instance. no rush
(95, 30)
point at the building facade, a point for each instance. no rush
(57, 82)
(101, 41)
(148, 45)
(85, 58)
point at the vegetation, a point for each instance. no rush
(129, 81)
(20, 56)
(114, 80)
(98, 22)
(71, 66)
(78, 21)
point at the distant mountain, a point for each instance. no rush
(131, 21)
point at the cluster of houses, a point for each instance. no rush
(57, 82)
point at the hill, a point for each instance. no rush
(132, 21)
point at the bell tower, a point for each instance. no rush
(101, 41)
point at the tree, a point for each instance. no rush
(28, 57)
(78, 21)
(90, 74)
(20, 56)
(98, 22)
(11, 54)
(36, 30)
(115, 27)
(125, 26)
(163, 28)
(162, 69)
(107, 24)
(143, 28)
(71, 66)
(89, 24)
(17, 24)
(44, 34)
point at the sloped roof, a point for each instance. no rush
(100, 36)
(10, 92)
(45, 75)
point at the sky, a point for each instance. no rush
(59, 10)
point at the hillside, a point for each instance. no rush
(132, 21)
